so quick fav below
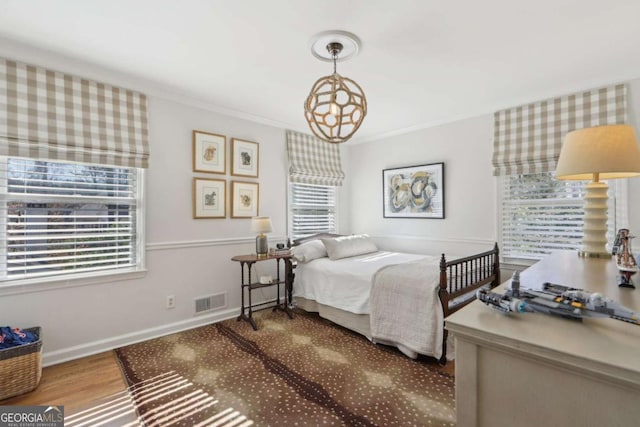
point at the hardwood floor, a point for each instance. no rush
(78, 384)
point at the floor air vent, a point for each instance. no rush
(211, 302)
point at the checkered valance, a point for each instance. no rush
(313, 161)
(51, 115)
(528, 139)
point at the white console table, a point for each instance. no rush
(533, 369)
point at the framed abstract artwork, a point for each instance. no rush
(209, 198)
(244, 158)
(244, 199)
(209, 152)
(413, 191)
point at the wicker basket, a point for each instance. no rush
(21, 367)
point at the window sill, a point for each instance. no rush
(24, 286)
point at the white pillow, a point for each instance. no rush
(309, 251)
(348, 246)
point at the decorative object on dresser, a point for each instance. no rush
(209, 198)
(244, 199)
(336, 105)
(558, 300)
(209, 152)
(245, 158)
(598, 153)
(361, 291)
(626, 263)
(413, 191)
(261, 225)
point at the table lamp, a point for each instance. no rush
(261, 224)
(601, 152)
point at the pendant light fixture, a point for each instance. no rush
(336, 105)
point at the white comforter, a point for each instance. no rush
(344, 283)
(399, 291)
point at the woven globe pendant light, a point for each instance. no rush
(336, 105)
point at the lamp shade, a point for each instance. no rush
(261, 224)
(610, 151)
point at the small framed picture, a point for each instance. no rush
(209, 152)
(244, 199)
(209, 198)
(244, 158)
(413, 191)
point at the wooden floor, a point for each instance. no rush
(78, 385)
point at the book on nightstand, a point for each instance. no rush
(280, 252)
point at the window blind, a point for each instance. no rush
(61, 218)
(312, 209)
(541, 214)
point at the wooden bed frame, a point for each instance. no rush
(458, 278)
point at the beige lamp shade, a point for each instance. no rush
(595, 154)
(261, 224)
(609, 151)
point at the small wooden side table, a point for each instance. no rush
(246, 310)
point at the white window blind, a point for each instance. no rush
(312, 209)
(61, 218)
(541, 214)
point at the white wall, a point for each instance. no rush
(634, 183)
(465, 147)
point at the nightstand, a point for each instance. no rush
(248, 285)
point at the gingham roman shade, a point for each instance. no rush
(528, 139)
(46, 114)
(313, 161)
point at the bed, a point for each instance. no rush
(392, 298)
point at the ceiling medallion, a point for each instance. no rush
(336, 105)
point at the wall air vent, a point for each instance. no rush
(211, 302)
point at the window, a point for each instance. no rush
(312, 209)
(68, 218)
(541, 214)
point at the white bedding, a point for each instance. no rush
(405, 308)
(345, 283)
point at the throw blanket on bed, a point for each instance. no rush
(405, 307)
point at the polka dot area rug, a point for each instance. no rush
(304, 371)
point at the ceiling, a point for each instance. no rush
(422, 62)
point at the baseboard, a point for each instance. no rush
(95, 347)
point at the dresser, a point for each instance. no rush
(533, 369)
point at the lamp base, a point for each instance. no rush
(262, 247)
(594, 239)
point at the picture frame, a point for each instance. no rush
(209, 198)
(245, 158)
(209, 152)
(414, 191)
(245, 199)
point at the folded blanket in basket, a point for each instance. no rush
(11, 337)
